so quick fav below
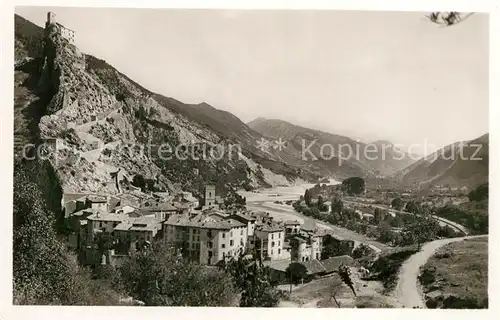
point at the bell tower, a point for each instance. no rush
(209, 195)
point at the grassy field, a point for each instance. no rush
(457, 276)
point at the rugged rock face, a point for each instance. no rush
(105, 129)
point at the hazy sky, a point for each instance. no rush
(369, 75)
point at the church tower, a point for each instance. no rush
(209, 195)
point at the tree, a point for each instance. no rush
(416, 208)
(296, 272)
(337, 205)
(353, 185)
(361, 251)
(307, 197)
(139, 181)
(345, 274)
(159, 276)
(379, 216)
(423, 230)
(480, 193)
(321, 204)
(253, 279)
(105, 241)
(397, 203)
(44, 271)
(386, 235)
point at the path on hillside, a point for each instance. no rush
(407, 290)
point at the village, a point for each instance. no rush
(107, 229)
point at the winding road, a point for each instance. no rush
(407, 290)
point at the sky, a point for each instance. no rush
(366, 74)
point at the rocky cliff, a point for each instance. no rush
(103, 129)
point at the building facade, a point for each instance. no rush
(268, 241)
(206, 239)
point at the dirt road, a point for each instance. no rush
(407, 291)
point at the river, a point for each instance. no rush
(263, 200)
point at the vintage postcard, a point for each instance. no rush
(250, 158)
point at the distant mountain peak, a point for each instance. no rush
(204, 105)
(382, 143)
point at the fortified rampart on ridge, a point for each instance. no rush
(66, 33)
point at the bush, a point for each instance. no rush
(296, 272)
(107, 152)
(361, 251)
(386, 268)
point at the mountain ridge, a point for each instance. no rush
(380, 164)
(463, 163)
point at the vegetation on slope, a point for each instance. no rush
(44, 271)
(473, 214)
(456, 277)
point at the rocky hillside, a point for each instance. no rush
(459, 164)
(384, 160)
(105, 128)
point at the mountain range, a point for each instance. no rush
(462, 163)
(99, 119)
(384, 159)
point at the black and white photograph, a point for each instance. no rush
(277, 158)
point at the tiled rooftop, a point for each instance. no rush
(268, 228)
(106, 216)
(244, 216)
(159, 206)
(97, 198)
(313, 266)
(203, 221)
(87, 211)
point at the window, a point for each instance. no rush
(231, 233)
(279, 235)
(223, 235)
(231, 243)
(272, 235)
(241, 232)
(209, 244)
(271, 252)
(223, 246)
(279, 251)
(279, 243)
(272, 244)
